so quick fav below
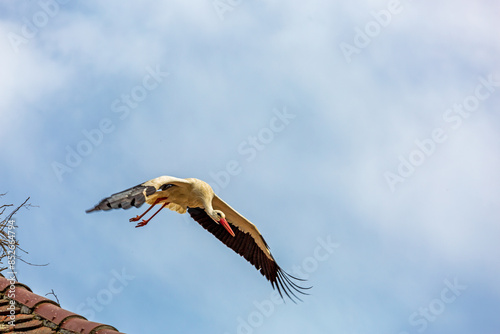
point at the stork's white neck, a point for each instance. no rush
(209, 208)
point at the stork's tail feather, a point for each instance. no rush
(135, 196)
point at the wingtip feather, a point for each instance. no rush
(92, 210)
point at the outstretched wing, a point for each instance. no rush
(250, 244)
(136, 196)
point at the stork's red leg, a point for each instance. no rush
(139, 217)
(145, 221)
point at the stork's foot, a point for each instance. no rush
(144, 222)
(136, 218)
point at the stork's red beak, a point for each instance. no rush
(226, 226)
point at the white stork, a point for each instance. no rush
(213, 214)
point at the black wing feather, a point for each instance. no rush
(244, 244)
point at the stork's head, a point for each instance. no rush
(220, 218)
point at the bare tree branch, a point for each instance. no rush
(9, 217)
(9, 245)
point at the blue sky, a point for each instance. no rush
(361, 138)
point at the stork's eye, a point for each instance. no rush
(218, 214)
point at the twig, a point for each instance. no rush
(4, 207)
(32, 264)
(53, 293)
(14, 212)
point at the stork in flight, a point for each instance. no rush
(213, 214)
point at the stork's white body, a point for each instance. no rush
(191, 192)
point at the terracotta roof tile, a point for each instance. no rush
(35, 314)
(106, 331)
(41, 330)
(84, 326)
(5, 308)
(5, 284)
(25, 297)
(54, 313)
(19, 317)
(28, 325)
